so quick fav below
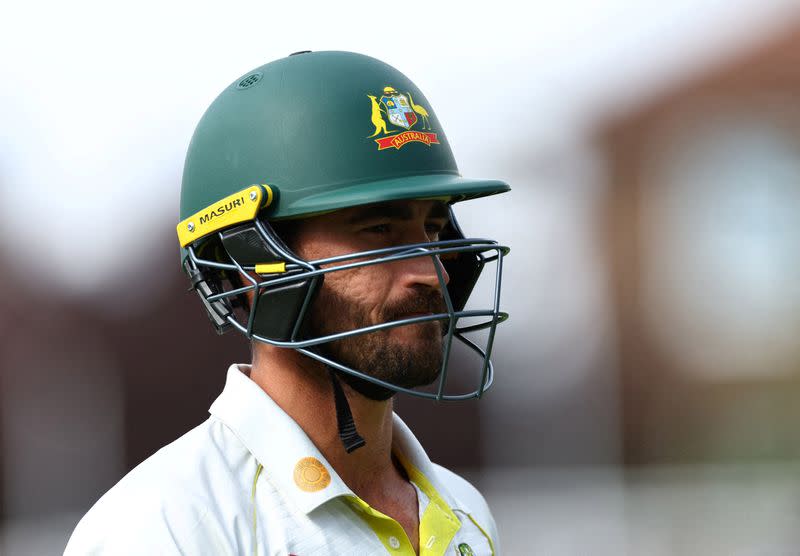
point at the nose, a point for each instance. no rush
(422, 271)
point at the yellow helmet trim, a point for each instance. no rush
(270, 268)
(233, 209)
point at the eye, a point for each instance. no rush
(378, 229)
(433, 229)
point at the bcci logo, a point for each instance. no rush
(402, 113)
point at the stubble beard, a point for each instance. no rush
(378, 354)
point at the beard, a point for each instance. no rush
(378, 354)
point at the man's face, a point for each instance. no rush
(409, 355)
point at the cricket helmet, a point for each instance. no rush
(308, 134)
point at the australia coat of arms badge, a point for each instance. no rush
(402, 115)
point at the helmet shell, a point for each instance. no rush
(325, 130)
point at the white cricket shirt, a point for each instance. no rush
(249, 481)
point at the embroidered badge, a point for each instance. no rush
(310, 475)
(465, 550)
(402, 114)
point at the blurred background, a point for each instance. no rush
(648, 382)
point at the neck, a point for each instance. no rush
(303, 389)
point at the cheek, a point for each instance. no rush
(369, 287)
(366, 286)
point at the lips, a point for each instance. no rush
(414, 314)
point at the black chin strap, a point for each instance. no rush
(344, 417)
(366, 388)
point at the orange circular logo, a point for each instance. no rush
(310, 475)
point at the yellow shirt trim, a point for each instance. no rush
(437, 526)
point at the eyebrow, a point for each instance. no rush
(396, 211)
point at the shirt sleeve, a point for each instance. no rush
(143, 524)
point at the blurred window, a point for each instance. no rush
(721, 246)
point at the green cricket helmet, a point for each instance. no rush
(307, 134)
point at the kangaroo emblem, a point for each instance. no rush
(421, 111)
(377, 119)
(394, 114)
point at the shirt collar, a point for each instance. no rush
(419, 467)
(281, 446)
(275, 439)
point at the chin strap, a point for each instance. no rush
(344, 418)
